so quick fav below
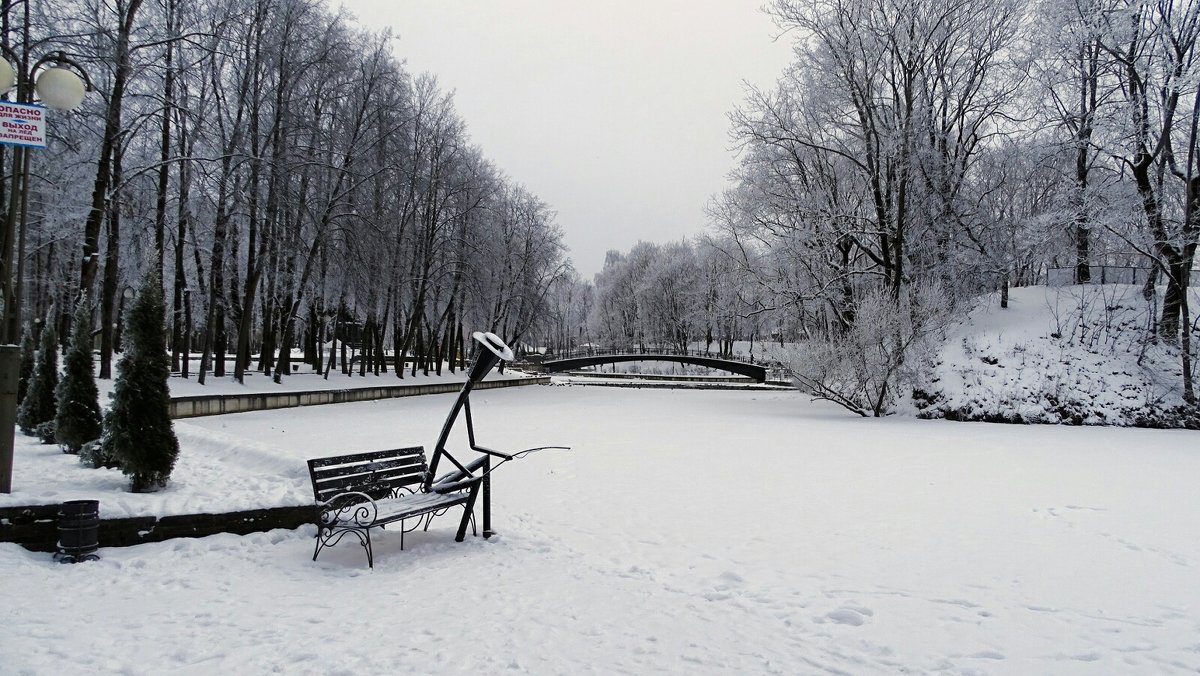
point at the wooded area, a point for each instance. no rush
(285, 176)
(292, 181)
(917, 153)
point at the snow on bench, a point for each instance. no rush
(360, 491)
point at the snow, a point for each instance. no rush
(252, 474)
(1074, 354)
(690, 532)
(494, 344)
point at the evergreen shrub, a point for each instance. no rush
(137, 428)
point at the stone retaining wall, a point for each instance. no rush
(36, 527)
(218, 404)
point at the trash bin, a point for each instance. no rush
(78, 531)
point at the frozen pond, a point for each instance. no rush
(686, 532)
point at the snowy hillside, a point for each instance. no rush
(1074, 355)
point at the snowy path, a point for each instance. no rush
(687, 532)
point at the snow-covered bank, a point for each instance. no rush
(214, 469)
(1075, 355)
(686, 532)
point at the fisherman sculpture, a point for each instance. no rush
(493, 350)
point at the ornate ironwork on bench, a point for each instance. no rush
(361, 491)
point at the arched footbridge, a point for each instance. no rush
(572, 362)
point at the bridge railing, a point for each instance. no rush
(775, 371)
(649, 350)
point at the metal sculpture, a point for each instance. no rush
(492, 351)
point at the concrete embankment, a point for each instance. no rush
(218, 404)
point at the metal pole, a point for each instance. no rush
(10, 366)
(487, 497)
(7, 333)
(14, 318)
(10, 325)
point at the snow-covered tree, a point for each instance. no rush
(37, 408)
(28, 358)
(872, 365)
(137, 428)
(78, 418)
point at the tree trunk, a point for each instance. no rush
(111, 271)
(108, 146)
(164, 154)
(178, 326)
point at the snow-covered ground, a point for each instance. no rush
(1074, 354)
(691, 532)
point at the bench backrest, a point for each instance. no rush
(374, 473)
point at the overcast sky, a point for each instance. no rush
(612, 111)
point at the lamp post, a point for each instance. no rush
(59, 83)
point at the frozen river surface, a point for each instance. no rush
(690, 532)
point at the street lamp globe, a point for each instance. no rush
(60, 88)
(8, 76)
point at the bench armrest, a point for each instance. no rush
(457, 475)
(492, 451)
(352, 506)
(446, 486)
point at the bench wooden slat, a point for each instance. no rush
(367, 456)
(378, 469)
(369, 471)
(403, 474)
(326, 489)
(334, 471)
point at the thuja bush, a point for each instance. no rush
(77, 420)
(38, 408)
(28, 358)
(138, 434)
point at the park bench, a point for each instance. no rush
(360, 491)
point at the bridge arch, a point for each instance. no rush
(755, 371)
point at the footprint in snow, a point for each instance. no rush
(988, 655)
(731, 579)
(852, 615)
(727, 583)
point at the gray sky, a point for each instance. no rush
(612, 111)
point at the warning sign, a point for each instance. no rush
(22, 124)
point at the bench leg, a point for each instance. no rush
(468, 514)
(317, 549)
(366, 543)
(335, 535)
